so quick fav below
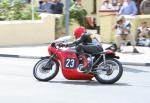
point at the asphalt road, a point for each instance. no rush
(17, 85)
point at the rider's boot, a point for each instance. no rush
(85, 64)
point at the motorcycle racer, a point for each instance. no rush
(79, 66)
(86, 42)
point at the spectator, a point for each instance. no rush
(50, 6)
(128, 8)
(119, 3)
(58, 7)
(46, 6)
(106, 5)
(122, 28)
(42, 4)
(145, 7)
(143, 32)
(90, 23)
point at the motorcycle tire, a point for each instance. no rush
(109, 63)
(49, 74)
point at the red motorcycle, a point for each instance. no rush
(106, 68)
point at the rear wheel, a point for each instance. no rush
(109, 73)
(42, 74)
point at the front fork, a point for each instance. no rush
(47, 66)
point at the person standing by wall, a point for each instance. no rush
(128, 8)
(58, 7)
(47, 6)
(106, 5)
(42, 6)
(145, 7)
(119, 3)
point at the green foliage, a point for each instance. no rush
(78, 13)
(15, 10)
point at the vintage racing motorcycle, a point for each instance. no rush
(106, 68)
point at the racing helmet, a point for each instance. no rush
(78, 31)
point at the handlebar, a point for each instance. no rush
(62, 45)
(66, 45)
(58, 45)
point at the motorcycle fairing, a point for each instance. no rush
(69, 64)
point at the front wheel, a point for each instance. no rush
(109, 72)
(42, 74)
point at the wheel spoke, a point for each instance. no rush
(42, 74)
(112, 66)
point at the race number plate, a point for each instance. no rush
(70, 63)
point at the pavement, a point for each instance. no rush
(37, 51)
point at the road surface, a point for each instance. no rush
(17, 85)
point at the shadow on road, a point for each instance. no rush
(126, 52)
(128, 69)
(88, 83)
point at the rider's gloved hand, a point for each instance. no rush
(66, 45)
(63, 45)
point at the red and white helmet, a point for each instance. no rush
(79, 31)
